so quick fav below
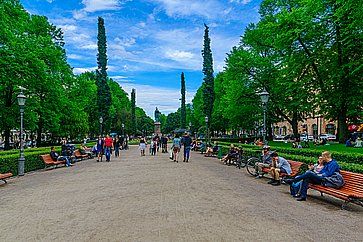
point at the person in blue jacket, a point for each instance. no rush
(330, 167)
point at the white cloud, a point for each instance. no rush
(74, 57)
(205, 8)
(68, 27)
(244, 2)
(100, 5)
(80, 70)
(91, 6)
(178, 55)
(89, 47)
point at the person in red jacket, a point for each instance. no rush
(108, 145)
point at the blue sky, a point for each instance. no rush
(150, 42)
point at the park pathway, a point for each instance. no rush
(153, 199)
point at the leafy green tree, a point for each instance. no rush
(103, 92)
(208, 80)
(183, 115)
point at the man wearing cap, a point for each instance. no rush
(266, 161)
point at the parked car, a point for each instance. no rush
(306, 137)
(328, 136)
(278, 137)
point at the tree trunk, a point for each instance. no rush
(7, 139)
(342, 133)
(39, 132)
(294, 124)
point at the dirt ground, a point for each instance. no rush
(135, 198)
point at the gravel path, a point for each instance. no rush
(153, 199)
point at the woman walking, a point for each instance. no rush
(142, 146)
(176, 147)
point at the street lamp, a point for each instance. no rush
(123, 129)
(21, 101)
(264, 99)
(207, 129)
(101, 121)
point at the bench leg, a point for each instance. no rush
(321, 194)
(4, 181)
(344, 205)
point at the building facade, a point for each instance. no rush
(311, 126)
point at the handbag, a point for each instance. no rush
(171, 154)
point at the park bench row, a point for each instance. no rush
(351, 192)
(49, 162)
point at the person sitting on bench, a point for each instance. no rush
(56, 157)
(233, 153)
(266, 161)
(330, 169)
(279, 165)
(212, 150)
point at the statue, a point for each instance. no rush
(157, 115)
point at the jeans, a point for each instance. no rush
(117, 151)
(108, 153)
(308, 177)
(186, 153)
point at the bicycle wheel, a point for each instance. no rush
(251, 165)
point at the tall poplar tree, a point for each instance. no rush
(133, 111)
(183, 114)
(208, 80)
(103, 90)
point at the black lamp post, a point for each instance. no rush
(21, 101)
(123, 129)
(264, 99)
(101, 121)
(207, 129)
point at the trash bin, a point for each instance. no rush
(219, 152)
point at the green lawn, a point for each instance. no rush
(331, 147)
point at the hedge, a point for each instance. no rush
(9, 162)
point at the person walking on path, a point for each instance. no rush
(100, 144)
(142, 146)
(116, 145)
(176, 147)
(108, 147)
(186, 142)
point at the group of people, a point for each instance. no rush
(186, 141)
(357, 143)
(106, 145)
(177, 143)
(325, 172)
(156, 143)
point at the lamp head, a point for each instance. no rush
(101, 120)
(21, 99)
(264, 96)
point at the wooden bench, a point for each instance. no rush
(48, 161)
(295, 169)
(5, 176)
(352, 191)
(78, 155)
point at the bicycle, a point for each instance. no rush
(251, 165)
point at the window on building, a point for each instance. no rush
(284, 130)
(330, 129)
(315, 130)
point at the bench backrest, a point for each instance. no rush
(353, 182)
(47, 159)
(295, 166)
